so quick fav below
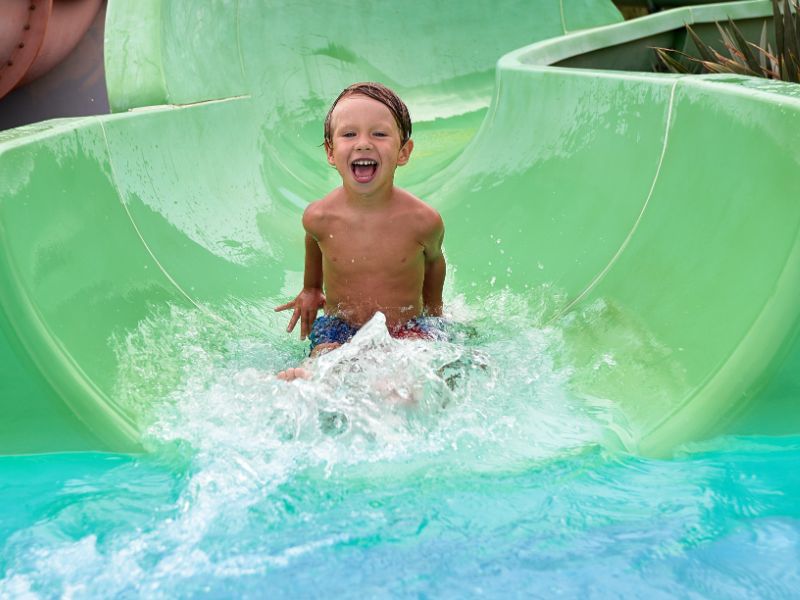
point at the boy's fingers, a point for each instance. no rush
(284, 306)
(293, 321)
(305, 326)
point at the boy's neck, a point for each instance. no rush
(375, 198)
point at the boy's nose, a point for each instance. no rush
(363, 143)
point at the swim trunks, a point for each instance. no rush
(330, 329)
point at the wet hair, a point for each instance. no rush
(381, 93)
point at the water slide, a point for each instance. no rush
(652, 217)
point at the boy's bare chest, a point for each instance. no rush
(361, 244)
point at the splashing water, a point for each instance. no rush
(402, 467)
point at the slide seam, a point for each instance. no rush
(169, 277)
(636, 223)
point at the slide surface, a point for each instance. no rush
(653, 217)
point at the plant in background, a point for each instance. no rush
(746, 58)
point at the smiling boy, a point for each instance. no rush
(369, 245)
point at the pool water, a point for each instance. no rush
(402, 468)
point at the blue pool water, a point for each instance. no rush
(402, 469)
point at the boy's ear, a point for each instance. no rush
(329, 153)
(405, 153)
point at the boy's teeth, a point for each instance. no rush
(364, 169)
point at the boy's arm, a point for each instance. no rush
(311, 298)
(435, 270)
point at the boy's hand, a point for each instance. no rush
(305, 305)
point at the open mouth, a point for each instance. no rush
(364, 169)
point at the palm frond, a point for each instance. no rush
(672, 65)
(742, 47)
(763, 55)
(703, 48)
(746, 57)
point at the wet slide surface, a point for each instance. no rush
(648, 218)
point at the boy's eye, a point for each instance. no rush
(380, 134)
(348, 134)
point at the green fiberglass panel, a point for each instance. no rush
(696, 309)
(195, 206)
(76, 272)
(227, 233)
(652, 215)
(743, 302)
(302, 52)
(717, 295)
(583, 14)
(32, 410)
(138, 75)
(293, 57)
(529, 186)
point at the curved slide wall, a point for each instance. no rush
(104, 220)
(653, 204)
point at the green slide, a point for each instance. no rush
(654, 217)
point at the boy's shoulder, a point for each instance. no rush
(326, 201)
(409, 201)
(421, 210)
(319, 209)
(404, 205)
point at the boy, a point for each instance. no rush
(373, 247)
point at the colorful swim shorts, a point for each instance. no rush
(330, 329)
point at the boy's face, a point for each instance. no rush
(366, 146)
